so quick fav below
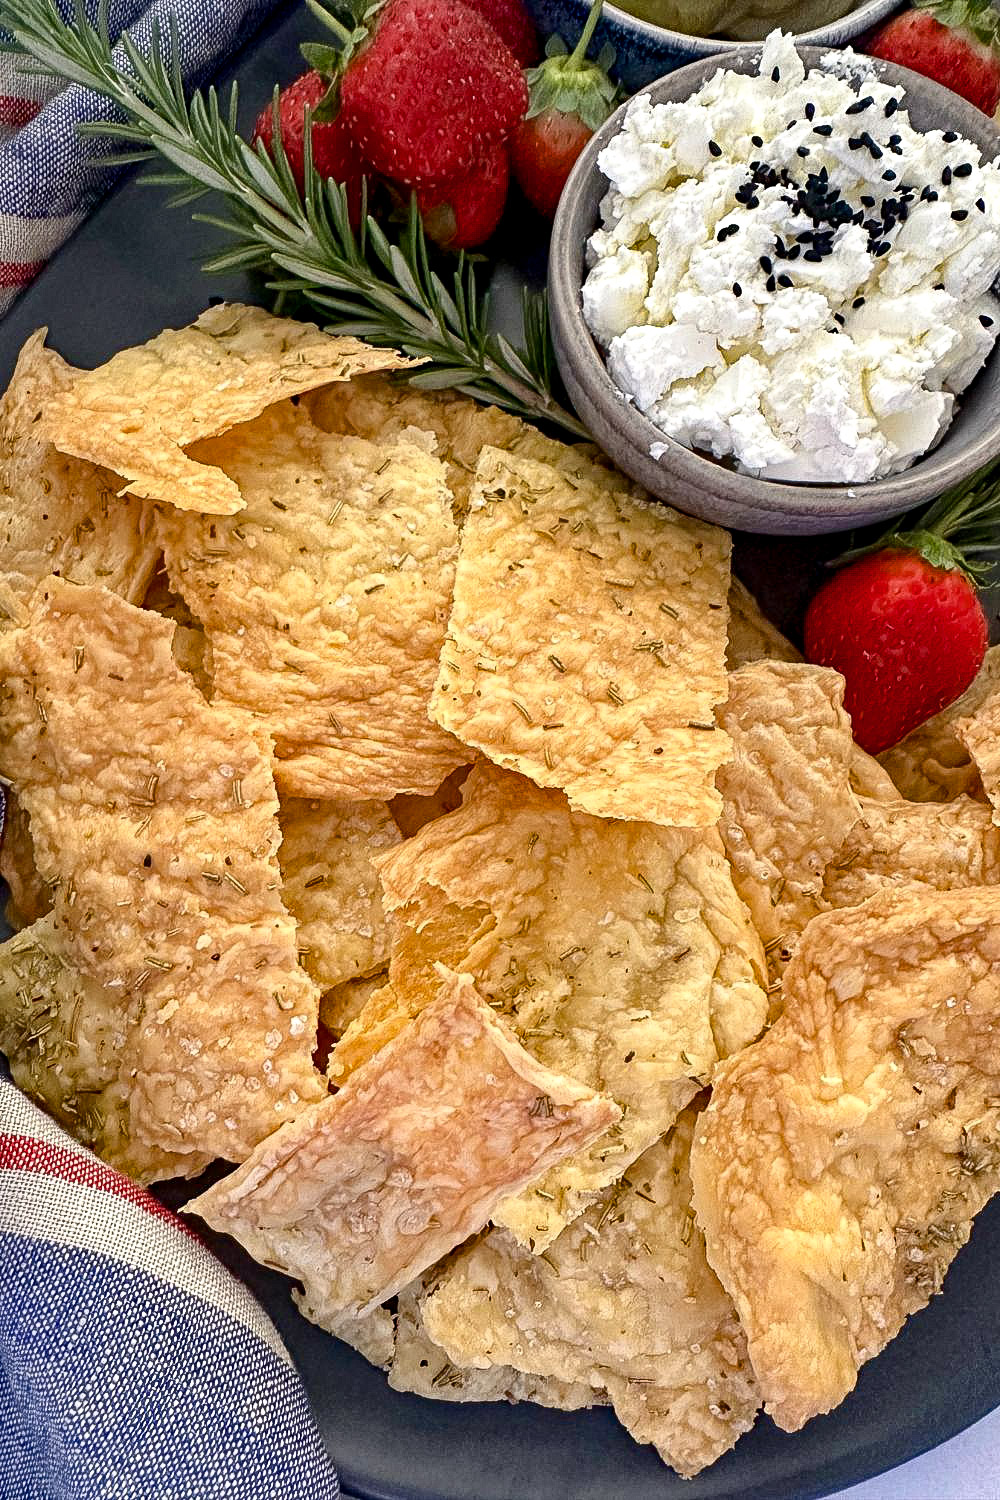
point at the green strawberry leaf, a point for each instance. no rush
(975, 17)
(568, 84)
(323, 59)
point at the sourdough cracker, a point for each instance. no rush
(586, 645)
(374, 1184)
(325, 602)
(139, 412)
(941, 846)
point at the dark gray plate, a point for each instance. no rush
(129, 272)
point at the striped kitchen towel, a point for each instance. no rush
(133, 1366)
(50, 176)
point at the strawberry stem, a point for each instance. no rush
(958, 531)
(579, 52)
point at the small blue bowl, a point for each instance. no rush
(644, 52)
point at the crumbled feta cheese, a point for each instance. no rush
(790, 275)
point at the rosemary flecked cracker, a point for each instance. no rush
(325, 602)
(932, 764)
(841, 1160)
(60, 1033)
(586, 645)
(789, 804)
(624, 1300)
(139, 412)
(331, 886)
(941, 846)
(376, 1183)
(58, 514)
(980, 734)
(620, 952)
(154, 815)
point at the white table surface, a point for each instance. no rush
(967, 1468)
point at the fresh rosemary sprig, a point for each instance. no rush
(362, 283)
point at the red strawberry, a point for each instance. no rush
(513, 25)
(334, 152)
(902, 622)
(956, 42)
(433, 92)
(466, 213)
(570, 99)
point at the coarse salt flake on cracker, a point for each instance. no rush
(586, 645)
(140, 411)
(154, 816)
(325, 601)
(376, 1183)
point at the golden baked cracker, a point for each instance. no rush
(623, 1299)
(840, 1162)
(752, 637)
(941, 846)
(373, 1335)
(411, 812)
(325, 602)
(59, 1032)
(375, 406)
(421, 1366)
(788, 800)
(932, 764)
(342, 1004)
(869, 778)
(378, 1181)
(980, 734)
(140, 411)
(28, 896)
(58, 514)
(331, 886)
(586, 646)
(620, 952)
(155, 815)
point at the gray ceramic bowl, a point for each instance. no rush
(696, 483)
(644, 52)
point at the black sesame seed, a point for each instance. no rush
(812, 255)
(794, 252)
(810, 110)
(802, 151)
(770, 284)
(888, 175)
(855, 142)
(949, 136)
(822, 130)
(737, 289)
(874, 148)
(714, 149)
(839, 318)
(859, 105)
(883, 249)
(946, 176)
(986, 321)
(757, 140)
(938, 286)
(858, 302)
(868, 200)
(981, 205)
(959, 214)
(791, 124)
(765, 264)
(784, 280)
(894, 140)
(775, 75)
(928, 195)
(891, 107)
(964, 169)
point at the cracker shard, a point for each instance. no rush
(374, 1184)
(980, 734)
(586, 645)
(154, 816)
(840, 1163)
(58, 514)
(59, 1033)
(940, 846)
(789, 804)
(624, 1300)
(325, 602)
(140, 411)
(620, 952)
(932, 764)
(331, 886)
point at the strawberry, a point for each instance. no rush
(513, 25)
(334, 152)
(433, 92)
(466, 213)
(570, 98)
(955, 42)
(901, 619)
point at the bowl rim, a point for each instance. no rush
(865, 14)
(928, 476)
